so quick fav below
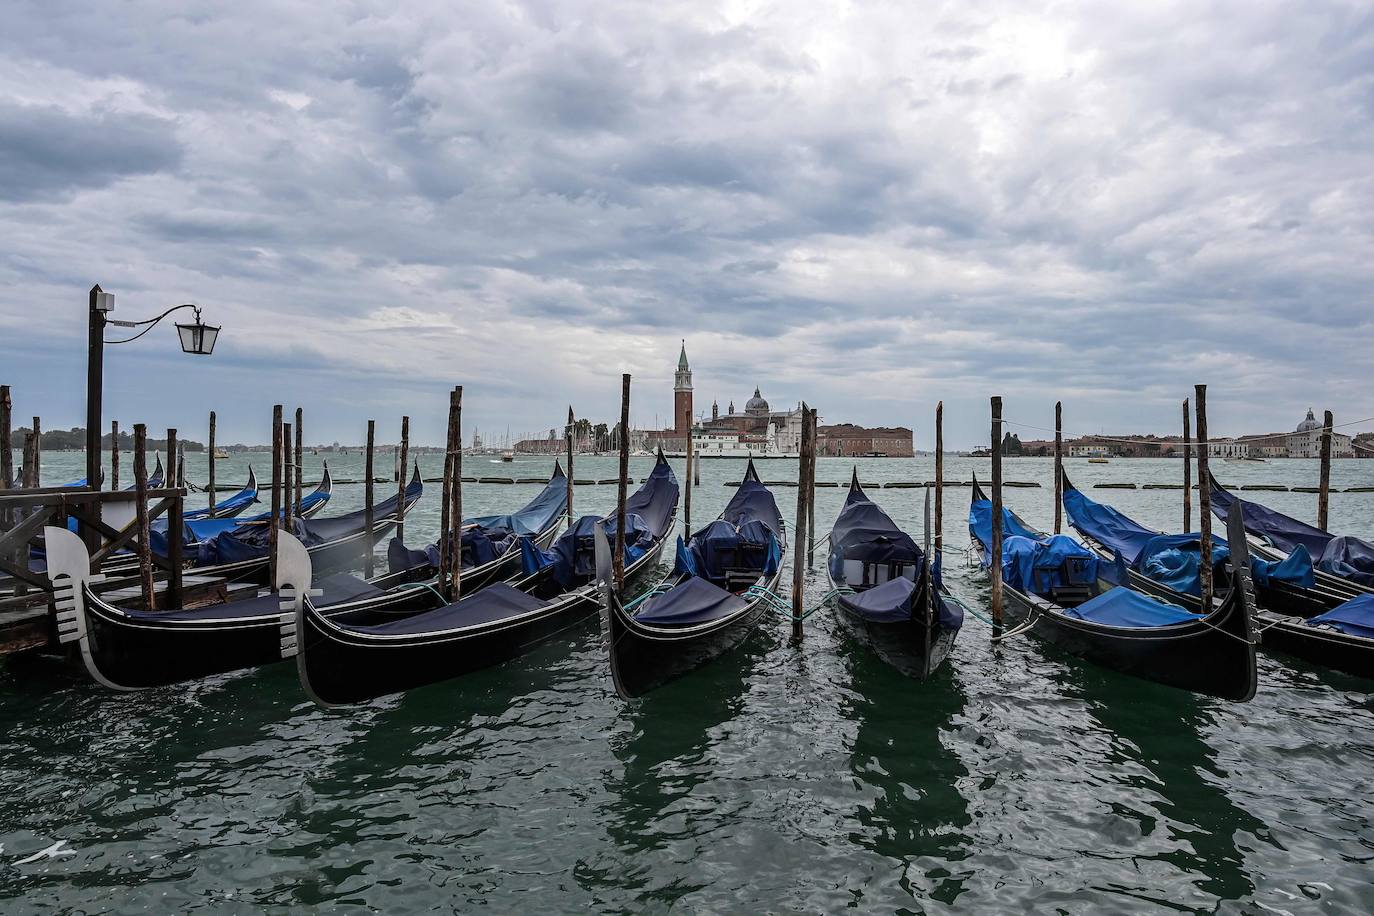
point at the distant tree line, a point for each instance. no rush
(74, 439)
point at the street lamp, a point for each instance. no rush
(196, 338)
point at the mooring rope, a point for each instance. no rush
(427, 587)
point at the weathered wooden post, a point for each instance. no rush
(6, 433)
(29, 448)
(1187, 468)
(210, 448)
(996, 565)
(275, 524)
(457, 513)
(300, 450)
(175, 517)
(145, 557)
(572, 423)
(687, 495)
(618, 556)
(1324, 482)
(803, 507)
(939, 477)
(401, 477)
(811, 496)
(1058, 467)
(446, 507)
(368, 496)
(114, 459)
(287, 509)
(37, 452)
(1204, 497)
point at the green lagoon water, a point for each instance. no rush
(781, 778)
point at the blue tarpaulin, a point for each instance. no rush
(1294, 569)
(980, 523)
(1121, 607)
(1350, 558)
(692, 602)
(1175, 560)
(1106, 526)
(488, 605)
(1036, 566)
(537, 514)
(886, 603)
(1354, 618)
(1278, 529)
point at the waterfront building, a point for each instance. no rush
(1306, 440)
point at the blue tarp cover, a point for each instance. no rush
(489, 605)
(656, 499)
(980, 523)
(1350, 558)
(886, 603)
(866, 533)
(1354, 618)
(693, 601)
(240, 500)
(1278, 529)
(722, 546)
(573, 556)
(1107, 526)
(1036, 566)
(1121, 607)
(754, 502)
(1175, 560)
(537, 514)
(1294, 569)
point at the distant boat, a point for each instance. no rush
(220, 454)
(1244, 458)
(508, 456)
(1098, 461)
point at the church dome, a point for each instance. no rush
(756, 404)
(1310, 423)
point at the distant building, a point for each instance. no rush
(1228, 448)
(1306, 441)
(849, 440)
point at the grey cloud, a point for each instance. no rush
(46, 151)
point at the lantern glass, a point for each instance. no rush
(198, 338)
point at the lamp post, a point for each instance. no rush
(196, 338)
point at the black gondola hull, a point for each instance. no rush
(1319, 645)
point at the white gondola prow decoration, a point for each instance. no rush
(294, 574)
(69, 570)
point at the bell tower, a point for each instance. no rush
(682, 396)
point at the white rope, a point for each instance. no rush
(1191, 444)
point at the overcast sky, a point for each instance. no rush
(870, 206)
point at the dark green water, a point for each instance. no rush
(781, 778)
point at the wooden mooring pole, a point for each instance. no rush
(30, 446)
(1187, 468)
(300, 450)
(6, 433)
(995, 567)
(369, 469)
(1058, 467)
(811, 490)
(457, 513)
(572, 423)
(175, 516)
(401, 478)
(145, 557)
(210, 471)
(287, 504)
(1204, 497)
(37, 452)
(939, 475)
(1324, 480)
(446, 507)
(687, 496)
(618, 555)
(114, 459)
(803, 507)
(275, 524)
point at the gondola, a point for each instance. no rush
(342, 661)
(888, 589)
(231, 506)
(1295, 614)
(1060, 590)
(491, 547)
(127, 648)
(721, 584)
(1343, 565)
